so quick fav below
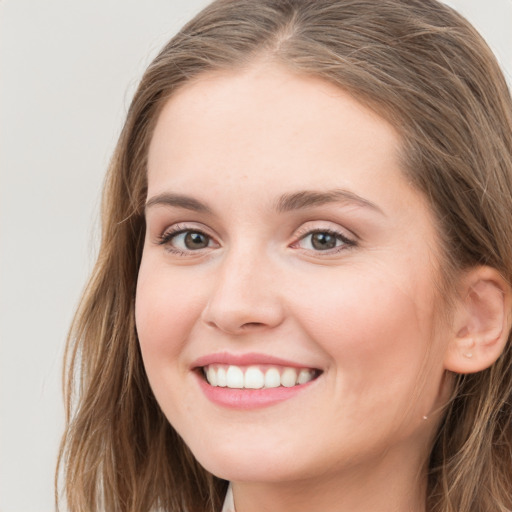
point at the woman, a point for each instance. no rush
(304, 283)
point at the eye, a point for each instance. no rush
(191, 240)
(181, 240)
(324, 240)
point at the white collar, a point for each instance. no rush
(229, 504)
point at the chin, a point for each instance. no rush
(251, 471)
(257, 465)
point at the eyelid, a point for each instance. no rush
(327, 226)
(178, 227)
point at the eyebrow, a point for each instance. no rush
(178, 201)
(287, 202)
(308, 199)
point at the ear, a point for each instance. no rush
(482, 322)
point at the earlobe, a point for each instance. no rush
(482, 322)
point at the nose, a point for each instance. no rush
(244, 295)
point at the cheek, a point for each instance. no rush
(374, 329)
(378, 338)
(166, 309)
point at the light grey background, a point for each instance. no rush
(67, 72)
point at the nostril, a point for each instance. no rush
(252, 324)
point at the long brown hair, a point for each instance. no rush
(426, 70)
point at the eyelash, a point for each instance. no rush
(168, 235)
(166, 238)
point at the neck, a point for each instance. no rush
(388, 485)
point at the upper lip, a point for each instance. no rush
(247, 359)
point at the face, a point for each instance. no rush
(285, 301)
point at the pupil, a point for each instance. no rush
(323, 241)
(196, 241)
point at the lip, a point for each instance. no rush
(249, 398)
(248, 359)
(244, 399)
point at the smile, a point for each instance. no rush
(257, 377)
(252, 380)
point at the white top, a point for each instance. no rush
(229, 504)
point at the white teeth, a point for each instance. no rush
(272, 378)
(221, 378)
(234, 377)
(211, 376)
(254, 377)
(289, 377)
(305, 376)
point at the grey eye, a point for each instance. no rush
(321, 241)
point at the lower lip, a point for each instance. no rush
(249, 398)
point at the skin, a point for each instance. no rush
(357, 438)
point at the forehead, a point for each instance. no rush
(267, 127)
